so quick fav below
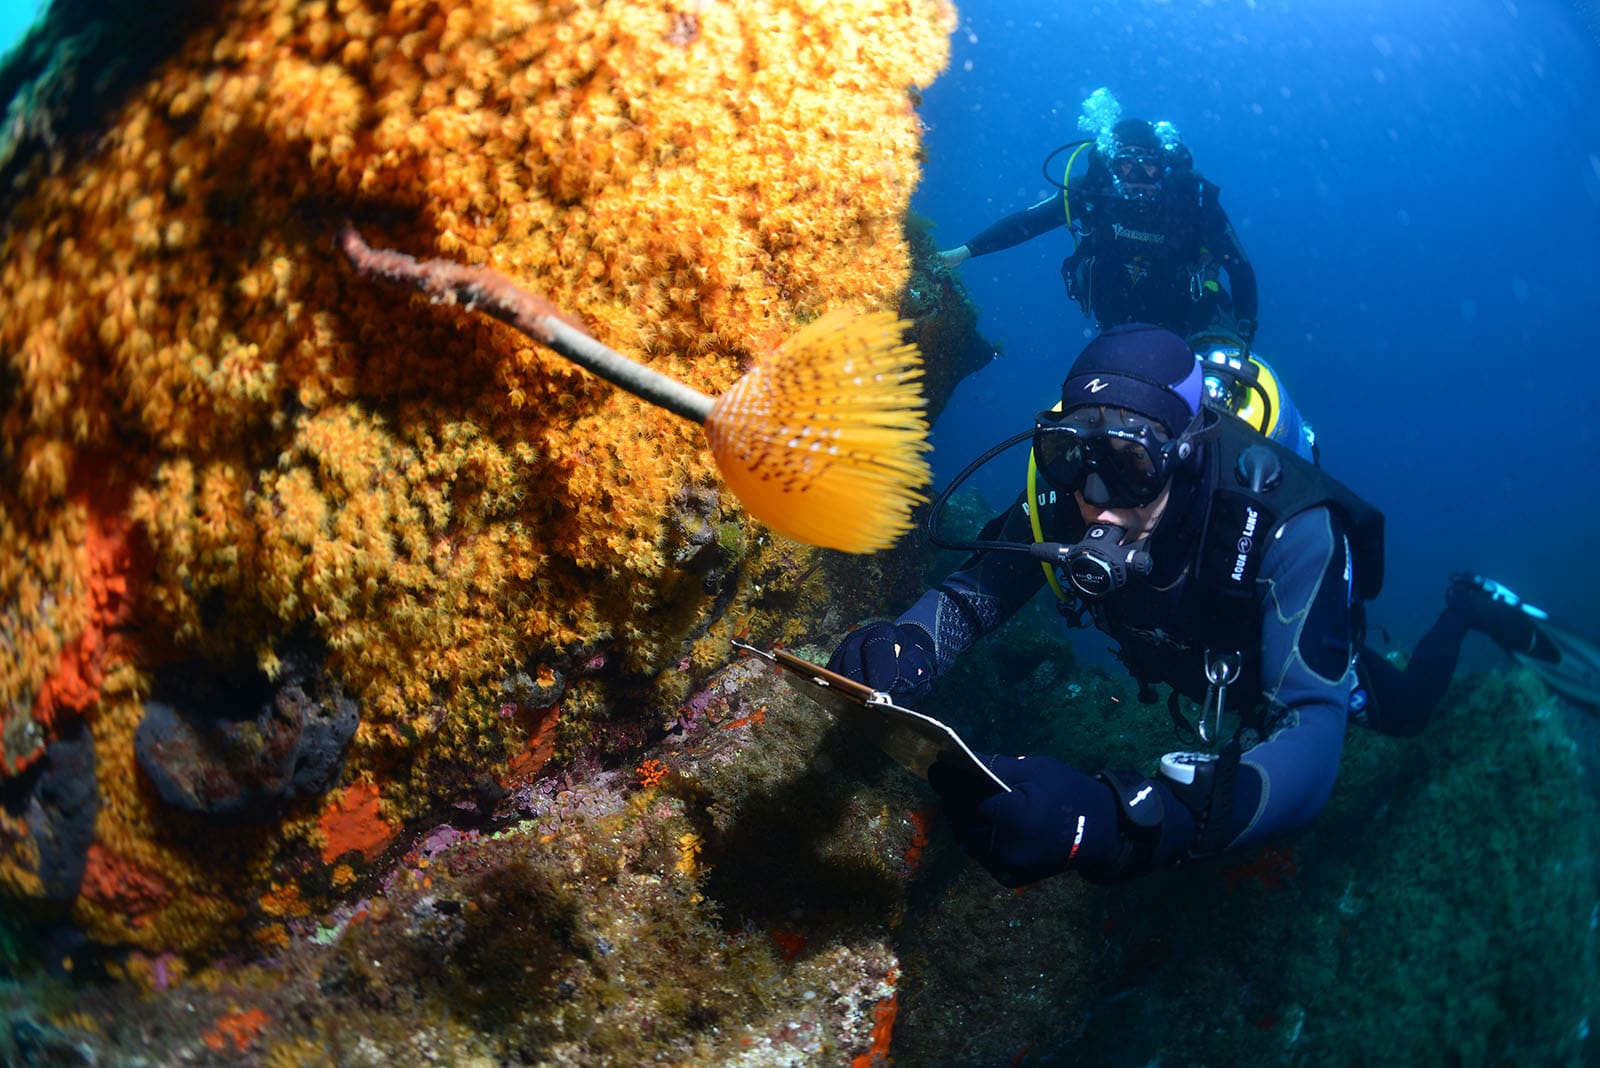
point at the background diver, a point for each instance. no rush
(1150, 237)
(1226, 565)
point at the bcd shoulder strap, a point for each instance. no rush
(1258, 485)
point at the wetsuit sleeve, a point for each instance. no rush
(979, 596)
(1307, 676)
(1021, 226)
(1225, 246)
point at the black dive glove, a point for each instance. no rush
(1055, 818)
(890, 657)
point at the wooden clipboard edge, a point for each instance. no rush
(867, 697)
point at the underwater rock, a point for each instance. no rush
(541, 688)
(91, 51)
(699, 541)
(694, 523)
(36, 1043)
(293, 747)
(1440, 910)
(737, 911)
(944, 320)
(59, 809)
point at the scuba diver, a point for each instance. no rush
(1150, 238)
(1163, 508)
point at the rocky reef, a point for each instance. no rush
(761, 887)
(731, 899)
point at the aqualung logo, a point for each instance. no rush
(1245, 544)
(1138, 235)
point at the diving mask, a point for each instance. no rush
(1112, 466)
(1137, 172)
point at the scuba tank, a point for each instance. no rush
(1242, 384)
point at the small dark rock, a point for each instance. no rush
(699, 543)
(35, 1043)
(539, 689)
(486, 794)
(326, 727)
(209, 760)
(60, 808)
(691, 535)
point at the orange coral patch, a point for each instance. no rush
(275, 936)
(791, 943)
(920, 819)
(351, 822)
(882, 1030)
(283, 899)
(1274, 868)
(541, 747)
(239, 1028)
(651, 773)
(73, 687)
(122, 887)
(757, 717)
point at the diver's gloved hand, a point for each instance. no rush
(955, 257)
(1054, 819)
(1247, 331)
(891, 657)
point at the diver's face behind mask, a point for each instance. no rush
(1113, 459)
(1118, 466)
(1137, 172)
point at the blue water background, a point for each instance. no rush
(1418, 187)
(15, 18)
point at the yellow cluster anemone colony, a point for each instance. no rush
(222, 448)
(822, 442)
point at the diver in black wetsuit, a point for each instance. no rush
(1150, 234)
(1227, 566)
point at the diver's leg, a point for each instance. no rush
(1401, 702)
(1494, 610)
